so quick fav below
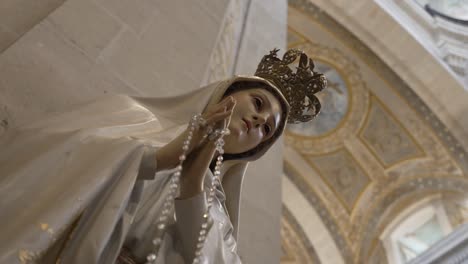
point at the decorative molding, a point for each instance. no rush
(222, 60)
(386, 138)
(453, 249)
(422, 186)
(441, 170)
(316, 202)
(296, 244)
(443, 38)
(348, 180)
(455, 149)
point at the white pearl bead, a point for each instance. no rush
(151, 257)
(156, 241)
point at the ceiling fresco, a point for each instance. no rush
(375, 150)
(331, 114)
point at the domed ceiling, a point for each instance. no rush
(374, 151)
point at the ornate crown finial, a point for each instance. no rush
(298, 88)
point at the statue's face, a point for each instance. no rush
(254, 119)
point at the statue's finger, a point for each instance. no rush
(218, 117)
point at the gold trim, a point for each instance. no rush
(330, 186)
(366, 216)
(290, 166)
(389, 85)
(375, 100)
(301, 41)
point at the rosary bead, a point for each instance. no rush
(212, 134)
(151, 257)
(157, 241)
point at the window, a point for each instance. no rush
(415, 230)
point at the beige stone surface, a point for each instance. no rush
(82, 51)
(43, 73)
(259, 240)
(19, 16)
(7, 37)
(86, 25)
(135, 14)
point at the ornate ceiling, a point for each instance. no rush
(374, 151)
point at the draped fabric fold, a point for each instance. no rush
(80, 185)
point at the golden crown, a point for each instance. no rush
(298, 88)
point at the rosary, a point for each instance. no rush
(212, 134)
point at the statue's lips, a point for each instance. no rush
(247, 124)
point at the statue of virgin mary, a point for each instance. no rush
(89, 185)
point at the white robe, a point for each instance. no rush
(75, 188)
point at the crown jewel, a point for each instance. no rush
(298, 88)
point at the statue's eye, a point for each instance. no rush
(267, 129)
(258, 102)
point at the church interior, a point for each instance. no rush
(381, 174)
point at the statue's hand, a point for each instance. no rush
(198, 160)
(217, 116)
